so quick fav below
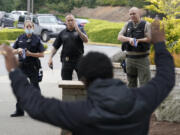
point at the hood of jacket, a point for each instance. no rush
(114, 104)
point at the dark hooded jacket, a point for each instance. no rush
(111, 108)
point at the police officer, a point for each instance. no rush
(136, 35)
(71, 39)
(29, 48)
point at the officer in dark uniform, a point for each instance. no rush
(29, 48)
(136, 35)
(71, 39)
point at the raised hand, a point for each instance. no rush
(157, 32)
(10, 60)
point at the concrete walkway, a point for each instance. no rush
(25, 125)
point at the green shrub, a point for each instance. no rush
(176, 47)
(103, 31)
(15, 24)
(10, 34)
(61, 17)
(172, 32)
(4, 42)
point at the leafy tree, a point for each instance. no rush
(170, 8)
(39, 4)
(64, 5)
(6, 5)
(61, 5)
(19, 5)
(90, 3)
(77, 3)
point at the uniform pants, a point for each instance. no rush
(67, 69)
(66, 74)
(137, 69)
(33, 77)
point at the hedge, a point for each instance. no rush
(4, 42)
(10, 34)
(103, 31)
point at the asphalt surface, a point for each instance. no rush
(49, 87)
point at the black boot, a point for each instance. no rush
(19, 111)
(17, 114)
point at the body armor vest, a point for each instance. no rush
(137, 33)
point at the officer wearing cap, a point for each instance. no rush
(136, 35)
(71, 39)
(29, 48)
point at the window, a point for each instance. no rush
(21, 19)
(47, 19)
(35, 20)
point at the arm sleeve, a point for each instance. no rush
(41, 46)
(147, 30)
(15, 45)
(123, 30)
(155, 91)
(58, 42)
(62, 114)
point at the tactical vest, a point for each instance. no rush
(137, 33)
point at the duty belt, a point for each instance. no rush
(136, 55)
(70, 59)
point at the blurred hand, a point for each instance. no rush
(157, 33)
(76, 26)
(28, 53)
(50, 63)
(20, 51)
(131, 41)
(10, 60)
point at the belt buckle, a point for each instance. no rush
(66, 58)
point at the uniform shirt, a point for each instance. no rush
(72, 43)
(147, 29)
(33, 44)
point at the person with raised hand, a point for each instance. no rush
(111, 108)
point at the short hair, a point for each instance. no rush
(135, 9)
(94, 65)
